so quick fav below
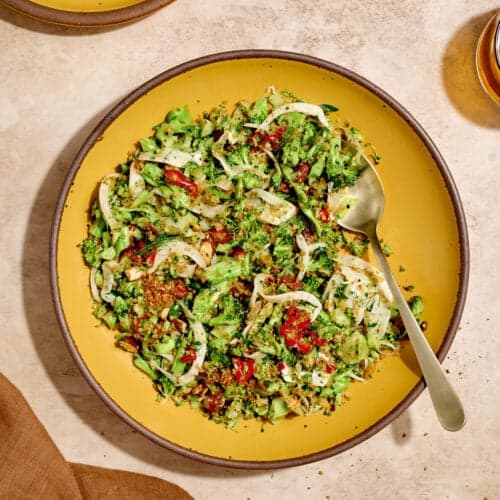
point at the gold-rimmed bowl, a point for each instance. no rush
(86, 13)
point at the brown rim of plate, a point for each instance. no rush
(243, 54)
(85, 19)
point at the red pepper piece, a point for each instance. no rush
(179, 290)
(317, 340)
(220, 235)
(291, 282)
(215, 403)
(284, 188)
(177, 178)
(330, 368)
(260, 139)
(150, 257)
(189, 356)
(278, 134)
(151, 228)
(244, 368)
(295, 330)
(303, 346)
(237, 253)
(294, 338)
(324, 215)
(274, 139)
(293, 313)
(296, 318)
(302, 171)
(133, 251)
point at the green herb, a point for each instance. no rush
(328, 108)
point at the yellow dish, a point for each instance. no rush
(86, 12)
(423, 221)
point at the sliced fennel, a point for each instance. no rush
(172, 156)
(299, 107)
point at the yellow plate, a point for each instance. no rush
(86, 12)
(423, 222)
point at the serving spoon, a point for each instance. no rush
(364, 218)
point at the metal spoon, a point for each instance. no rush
(364, 218)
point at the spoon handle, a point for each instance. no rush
(446, 402)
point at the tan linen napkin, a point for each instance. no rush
(31, 466)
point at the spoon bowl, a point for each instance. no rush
(369, 190)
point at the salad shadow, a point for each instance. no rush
(458, 72)
(401, 428)
(49, 343)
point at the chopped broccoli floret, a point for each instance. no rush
(91, 250)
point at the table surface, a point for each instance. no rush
(56, 84)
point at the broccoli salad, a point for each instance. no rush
(216, 259)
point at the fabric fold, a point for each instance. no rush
(31, 466)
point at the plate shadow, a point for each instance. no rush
(458, 72)
(26, 22)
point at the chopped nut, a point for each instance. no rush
(200, 390)
(241, 289)
(199, 274)
(157, 294)
(237, 253)
(226, 377)
(164, 313)
(265, 259)
(206, 251)
(179, 290)
(128, 344)
(213, 377)
(134, 273)
(179, 324)
(292, 403)
(324, 404)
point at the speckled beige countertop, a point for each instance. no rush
(56, 83)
